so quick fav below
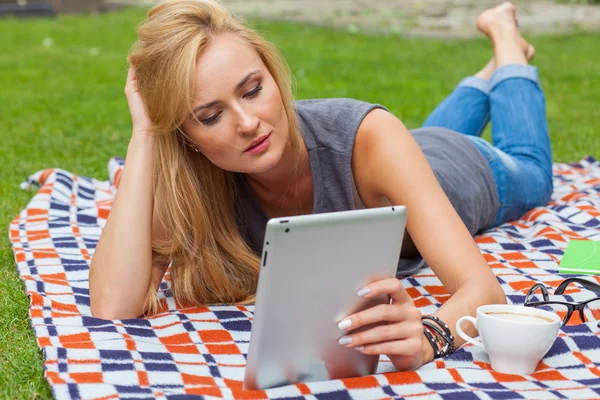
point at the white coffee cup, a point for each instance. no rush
(515, 337)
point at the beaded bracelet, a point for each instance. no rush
(443, 342)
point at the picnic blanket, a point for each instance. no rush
(203, 350)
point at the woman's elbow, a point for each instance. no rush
(487, 290)
(104, 309)
(496, 294)
(102, 312)
(110, 314)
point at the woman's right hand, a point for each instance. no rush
(139, 116)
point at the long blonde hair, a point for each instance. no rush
(194, 199)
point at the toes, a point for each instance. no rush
(512, 9)
(530, 52)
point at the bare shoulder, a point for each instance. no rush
(379, 135)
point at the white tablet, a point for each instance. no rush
(311, 268)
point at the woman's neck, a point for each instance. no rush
(281, 191)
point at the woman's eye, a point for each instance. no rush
(211, 120)
(254, 92)
(215, 117)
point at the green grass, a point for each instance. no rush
(62, 105)
(578, 1)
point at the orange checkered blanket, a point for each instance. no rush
(202, 350)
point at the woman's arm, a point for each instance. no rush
(121, 272)
(389, 167)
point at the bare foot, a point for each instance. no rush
(528, 50)
(487, 71)
(503, 16)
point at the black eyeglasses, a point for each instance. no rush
(562, 307)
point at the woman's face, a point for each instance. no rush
(236, 103)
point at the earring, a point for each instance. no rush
(196, 149)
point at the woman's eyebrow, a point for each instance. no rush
(237, 87)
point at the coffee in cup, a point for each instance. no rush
(515, 337)
(514, 316)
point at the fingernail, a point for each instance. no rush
(345, 324)
(345, 340)
(364, 291)
(360, 348)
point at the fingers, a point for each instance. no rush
(405, 348)
(131, 83)
(391, 286)
(382, 312)
(398, 332)
(402, 306)
(131, 73)
(137, 109)
(404, 331)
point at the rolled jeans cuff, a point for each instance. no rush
(514, 71)
(476, 83)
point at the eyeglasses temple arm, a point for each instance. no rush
(593, 286)
(534, 288)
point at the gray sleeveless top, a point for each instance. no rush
(329, 128)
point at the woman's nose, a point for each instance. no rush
(248, 122)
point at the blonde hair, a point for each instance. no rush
(194, 199)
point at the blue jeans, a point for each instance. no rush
(520, 157)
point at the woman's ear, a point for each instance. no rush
(187, 140)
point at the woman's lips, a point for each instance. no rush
(260, 146)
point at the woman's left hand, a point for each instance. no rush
(401, 336)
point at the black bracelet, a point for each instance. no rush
(446, 335)
(437, 340)
(436, 350)
(441, 323)
(443, 342)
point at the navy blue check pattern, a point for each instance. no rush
(202, 351)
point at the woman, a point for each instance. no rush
(214, 119)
